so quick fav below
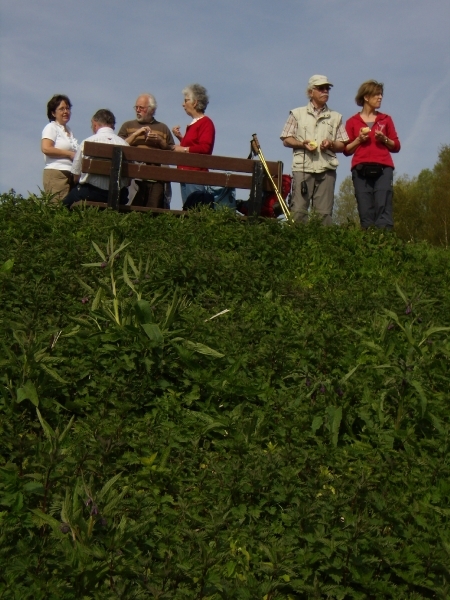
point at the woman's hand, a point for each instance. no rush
(178, 148)
(177, 132)
(363, 135)
(380, 137)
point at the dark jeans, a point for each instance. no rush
(199, 198)
(374, 198)
(189, 188)
(86, 191)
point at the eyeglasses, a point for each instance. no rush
(140, 108)
(64, 108)
(322, 88)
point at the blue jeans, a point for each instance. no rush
(188, 188)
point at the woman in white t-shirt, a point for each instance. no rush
(59, 147)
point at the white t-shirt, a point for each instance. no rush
(55, 132)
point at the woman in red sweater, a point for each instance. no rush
(372, 140)
(200, 133)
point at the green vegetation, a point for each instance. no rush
(205, 408)
(421, 204)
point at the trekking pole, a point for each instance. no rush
(256, 149)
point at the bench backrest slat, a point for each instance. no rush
(166, 157)
(236, 180)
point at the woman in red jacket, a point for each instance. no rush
(372, 140)
(200, 133)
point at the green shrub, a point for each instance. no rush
(200, 407)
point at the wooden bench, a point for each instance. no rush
(157, 165)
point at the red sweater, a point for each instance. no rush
(373, 151)
(199, 138)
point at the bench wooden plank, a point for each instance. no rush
(188, 159)
(103, 167)
(115, 162)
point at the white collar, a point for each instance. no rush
(196, 119)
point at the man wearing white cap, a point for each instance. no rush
(315, 133)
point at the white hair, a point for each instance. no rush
(151, 100)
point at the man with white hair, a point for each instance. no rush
(146, 132)
(315, 133)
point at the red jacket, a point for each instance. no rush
(372, 151)
(199, 137)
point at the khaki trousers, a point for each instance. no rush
(320, 196)
(57, 182)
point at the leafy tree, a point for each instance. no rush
(346, 210)
(412, 205)
(439, 221)
(422, 204)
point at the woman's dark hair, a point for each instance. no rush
(368, 88)
(53, 104)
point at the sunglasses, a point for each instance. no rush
(322, 88)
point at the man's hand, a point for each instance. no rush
(327, 145)
(156, 140)
(310, 145)
(142, 131)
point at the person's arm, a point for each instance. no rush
(48, 148)
(289, 136)
(390, 140)
(356, 136)
(203, 142)
(178, 148)
(76, 166)
(340, 141)
(295, 144)
(132, 136)
(335, 146)
(351, 147)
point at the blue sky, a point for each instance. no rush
(253, 56)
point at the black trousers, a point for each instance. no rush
(374, 198)
(86, 191)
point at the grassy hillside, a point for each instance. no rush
(211, 409)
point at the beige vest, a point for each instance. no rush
(310, 128)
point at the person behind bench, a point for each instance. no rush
(146, 132)
(95, 187)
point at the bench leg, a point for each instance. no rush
(114, 178)
(256, 195)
